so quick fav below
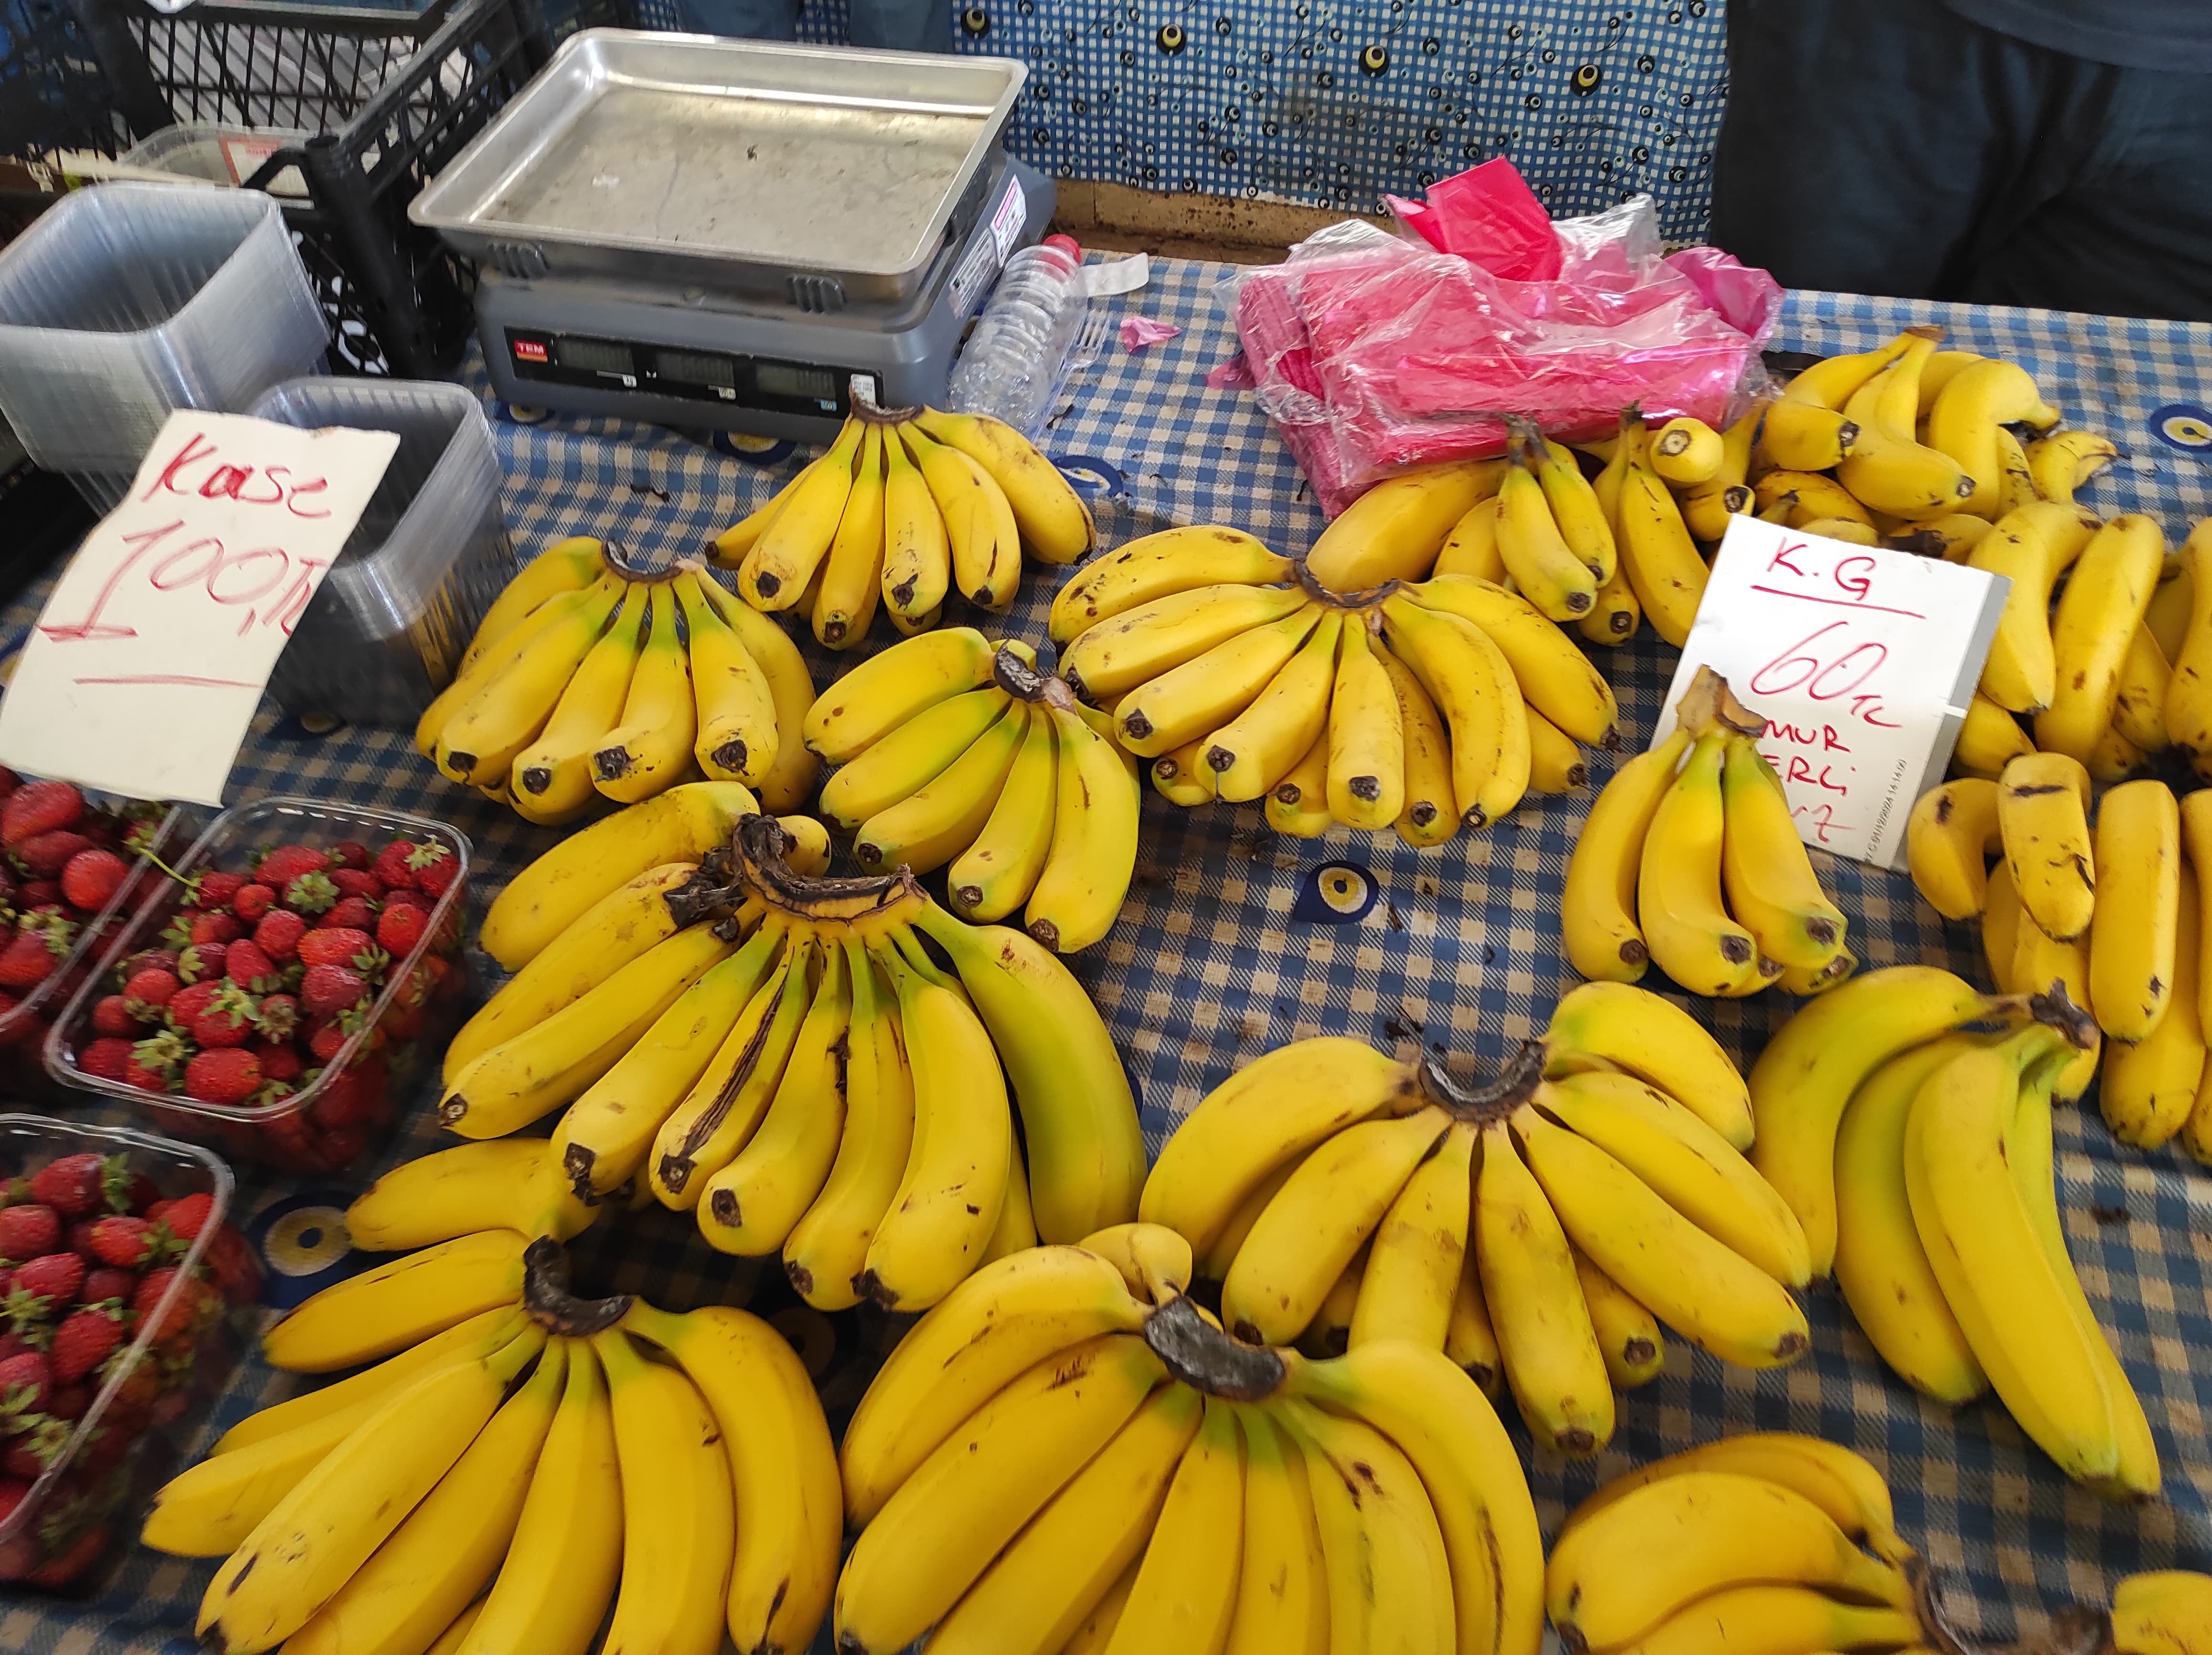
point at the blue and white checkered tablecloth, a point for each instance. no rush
(1226, 949)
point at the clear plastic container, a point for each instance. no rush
(126, 302)
(292, 1132)
(24, 1023)
(430, 554)
(92, 1493)
(220, 152)
(1013, 358)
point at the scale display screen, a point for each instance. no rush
(762, 382)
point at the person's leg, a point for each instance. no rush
(750, 20)
(1866, 142)
(901, 25)
(2128, 231)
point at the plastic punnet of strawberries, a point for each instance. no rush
(63, 859)
(87, 1251)
(262, 976)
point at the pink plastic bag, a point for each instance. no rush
(1374, 353)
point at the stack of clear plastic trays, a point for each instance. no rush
(395, 613)
(126, 302)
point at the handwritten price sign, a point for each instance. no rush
(147, 663)
(1862, 662)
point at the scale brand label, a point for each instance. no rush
(1009, 217)
(1862, 661)
(144, 668)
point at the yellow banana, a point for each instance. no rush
(1965, 418)
(2139, 711)
(512, 1184)
(2038, 962)
(917, 557)
(1949, 839)
(1414, 1264)
(1470, 1340)
(1598, 904)
(1806, 429)
(1140, 645)
(1093, 853)
(1471, 549)
(1555, 763)
(999, 870)
(1056, 524)
(934, 824)
(1776, 1617)
(1282, 1585)
(776, 570)
(1298, 805)
(1531, 543)
(2042, 804)
(397, 1304)
(1886, 468)
(890, 689)
(2147, 1088)
(2164, 1613)
(1431, 815)
(567, 566)
(1664, 569)
(790, 780)
(1555, 677)
(1706, 507)
(1396, 531)
(651, 745)
(737, 736)
(1813, 496)
(1364, 740)
(852, 571)
(1181, 776)
(1187, 1585)
(1772, 891)
(911, 757)
(1472, 683)
(516, 687)
(981, 536)
(2099, 614)
(1989, 739)
(1207, 692)
(2064, 460)
(2031, 548)
(1613, 1026)
(2133, 928)
(550, 779)
(1256, 748)
(1685, 922)
(1628, 1335)
(1686, 452)
(1160, 566)
(1582, 518)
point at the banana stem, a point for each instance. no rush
(545, 1295)
(2052, 1006)
(1481, 1104)
(1207, 1359)
(617, 559)
(1367, 597)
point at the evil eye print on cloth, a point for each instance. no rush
(2184, 426)
(1335, 893)
(304, 1246)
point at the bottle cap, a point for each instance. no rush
(1067, 244)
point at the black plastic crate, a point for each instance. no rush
(394, 96)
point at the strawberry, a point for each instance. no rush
(216, 889)
(179, 1319)
(28, 1229)
(209, 927)
(39, 807)
(231, 1266)
(350, 913)
(279, 933)
(65, 1566)
(124, 1242)
(72, 1185)
(39, 896)
(357, 881)
(189, 1001)
(90, 878)
(28, 1455)
(156, 1061)
(345, 1101)
(329, 989)
(311, 894)
(111, 1015)
(252, 901)
(350, 853)
(341, 1146)
(45, 855)
(203, 962)
(82, 1342)
(26, 1382)
(279, 1016)
(56, 1277)
(107, 1058)
(280, 867)
(130, 1192)
(391, 865)
(150, 960)
(341, 945)
(185, 1216)
(408, 897)
(434, 868)
(67, 1401)
(245, 964)
(399, 929)
(148, 989)
(279, 1061)
(227, 1023)
(328, 1038)
(220, 1076)
(28, 960)
(108, 1283)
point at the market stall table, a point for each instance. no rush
(1231, 943)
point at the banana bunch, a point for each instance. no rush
(1917, 1155)
(786, 1057)
(588, 679)
(1537, 1230)
(910, 504)
(2114, 914)
(951, 749)
(1691, 860)
(515, 1461)
(1770, 1542)
(1068, 1454)
(1241, 676)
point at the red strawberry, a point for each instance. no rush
(81, 1342)
(107, 1058)
(311, 894)
(350, 913)
(408, 897)
(391, 865)
(39, 807)
(398, 930)
(156, 1061)
(281, 866)
(111, 1015)
(327, 1038)
(434, 867)
(245, 964)
(45, 855)
(56, 1277)
(147, 990)
(343, 1101)
(124, 1242)
(90, 877)
(229, 1076)
(193, 1297)
(252, 901)
(227, 1023)
(216, 889)
(329, 989)
(26, 1458)
(39, 896)
(72, 1185)
(203, 962)
(231, 1265)
(26, 1382)
(28, 1229)
(189, 1001)
(108, 1283)
(130, 1192)
(279, 1016)
(27, 961)
(62, 1567)
(340, 946)
(341, 1146)
(279, 1062)
(279, 933)
(150, 960)
(185, 1216)
(357, 881)
(350, 853)
(216, 928)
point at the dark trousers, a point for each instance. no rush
(1890, 147)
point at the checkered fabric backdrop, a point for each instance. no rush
(1227, 948)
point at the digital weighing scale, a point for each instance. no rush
(722, 233)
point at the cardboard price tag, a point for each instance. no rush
(1862, 661)
(148, 661)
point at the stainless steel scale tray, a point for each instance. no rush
(690, 160)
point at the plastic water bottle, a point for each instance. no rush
(1013, 358)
